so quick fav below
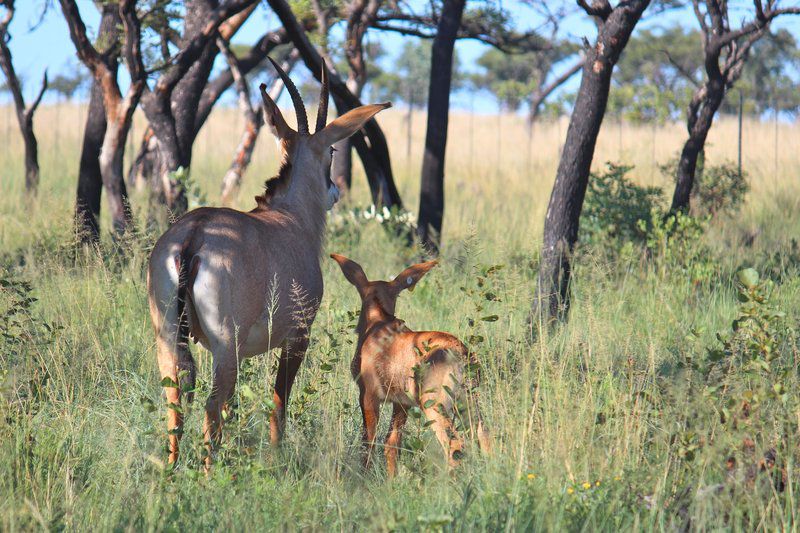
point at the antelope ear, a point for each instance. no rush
(273, 117)
(347, 124)
(351, 270)
(408, 278)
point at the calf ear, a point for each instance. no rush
(408, 278)
(273, 117)
(352, 271)
(347, 124)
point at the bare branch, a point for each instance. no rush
(424, 26)
(35, 104)
(600, 9)
(756, 25)
(254, 57)
(191, 52)
(133, 58)
(87, 53)
(245, 103)
(685, 73)
(541, 94)
(701, 18)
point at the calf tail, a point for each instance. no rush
(187, 370)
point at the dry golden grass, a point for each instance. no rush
(494, 169)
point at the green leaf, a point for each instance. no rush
(490, 318)
(169, 383)
(748, 277)
(175, 407)
(475, 339)
(429, 403)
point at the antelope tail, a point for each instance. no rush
(187, 265)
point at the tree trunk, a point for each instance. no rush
(375, 155)
(111, 159)
(31, 154)
(232, 180)
(700, 118)
(342, 167)
(172, 106)
(90, 181)
(24, 114)
(566, 200)
(431, 201)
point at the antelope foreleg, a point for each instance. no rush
(371, 412)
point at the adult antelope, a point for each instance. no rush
(242, 283)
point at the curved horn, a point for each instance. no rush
(299, 108)
(322, 112)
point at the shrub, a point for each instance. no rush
(674, 244)
(615, 206)
(718, 189)
(748, 380)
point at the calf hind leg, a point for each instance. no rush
(446, 434)
(394, 439)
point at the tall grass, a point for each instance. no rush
(588, 419)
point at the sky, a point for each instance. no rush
(48, 46)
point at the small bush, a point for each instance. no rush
(674, 243)
(747, 381)
(718, 189)
(615, 207)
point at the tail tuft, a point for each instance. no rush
(187, 370)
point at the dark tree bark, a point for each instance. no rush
(171, 106)
(360, 17)
(24, 114)
(566, 200)
(118, 109)
(90, 180)
(183, 82)
(726, 52)
(375, 155)
(143, 168)
(431, 199)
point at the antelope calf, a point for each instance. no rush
(406, 368)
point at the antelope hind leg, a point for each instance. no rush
(225, 374)
(292, 354)
(167, 364)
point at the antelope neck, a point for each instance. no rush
(372, 315)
